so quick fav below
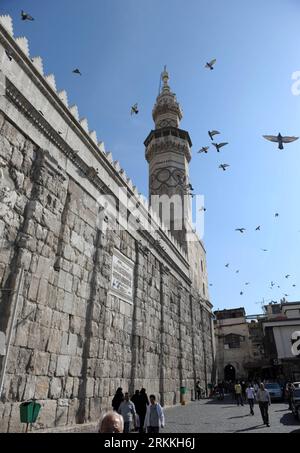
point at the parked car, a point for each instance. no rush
(275, 390)
(295, 403)
(296, 385)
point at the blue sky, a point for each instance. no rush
(121, 47)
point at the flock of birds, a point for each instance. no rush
(279, 139)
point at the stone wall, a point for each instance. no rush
(74, 340)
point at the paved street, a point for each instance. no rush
(207, 416)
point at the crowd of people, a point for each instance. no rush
(138, 413)
(248, 392)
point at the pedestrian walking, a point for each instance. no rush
(238, 394)
(264, 401)
(198, 390)
(154, 418)
(289, 393)
(141, 408)
(127, 410)
(117, 399)
(135, 399)
(250, 397)
(244, 388)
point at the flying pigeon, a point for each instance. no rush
(210, 284)
(212, 133)
(257, 228)
(287, 276)
(237, 271)
(76, 71)
(272, 284)
(294, 286)
(286, 295)
(202, 209)
(280, 139)
(134, 109)
(9, 55)
(210, 64)
(278, 286)
(219, 145)
(204, 149)
(247, 283)
(224, 166)
(241, 230)
(276, 215)
(241, 293)
(264, 250)
(26, 16)
(227, 265)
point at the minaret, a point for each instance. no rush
(168, 154)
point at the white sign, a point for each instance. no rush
(122, 276)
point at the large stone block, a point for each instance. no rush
(63, 364)
(55, 388)
(47, 416)
(42, 387)
(75, 366)
(68, 344)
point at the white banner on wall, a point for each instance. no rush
(122, 276)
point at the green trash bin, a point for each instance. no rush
(29, 411)
(182, 390)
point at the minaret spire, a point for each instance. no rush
(165, 79)
(168, 154)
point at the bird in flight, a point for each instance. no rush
(9, 55)
(211, 64)
(212, 133)
(241, 293)
(210, 284)
(276, 215)
(134, 109)
(224, 166)
(286, 295)
(294, 286)
(247, 283)
(241, 230)
(264, 250)
(219, 145)
(227, 265)
(202, 208)
(204, 149)
(26, 16)
(280, 139)
(257, 228)
(287, 276)
(76, 71)
(237, 271)
(272, 284)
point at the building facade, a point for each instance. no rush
(91, 298)
(265, 346)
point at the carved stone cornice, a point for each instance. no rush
(166, 145)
